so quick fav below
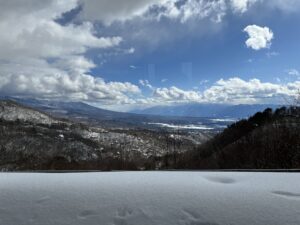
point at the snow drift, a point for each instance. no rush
(146, 198)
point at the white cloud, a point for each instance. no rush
(231, 91)
(236, 90)
(293, 72)
(46, 82)
(197, 9)
(272, 54)
(42, 58)
(130, 51)
(109, 11)
(174, 94)
(146, 83)
(259, 37)
(242, 6)
(288, 6)
(202, 82)
(133, 67)
(138, 20)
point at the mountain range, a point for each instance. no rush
(210, 115)
(32, 139)
(82, 112)
(207, 110)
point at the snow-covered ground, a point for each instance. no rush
(183, 127)
(144, 198)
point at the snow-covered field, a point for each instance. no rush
(183, 127)
(144, 198)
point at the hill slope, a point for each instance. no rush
(267, 140)
(12, 111)
(31, 140)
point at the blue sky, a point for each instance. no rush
(190, 59)
(136, 54)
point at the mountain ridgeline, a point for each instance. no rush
(52, 136)
(207, 110)
(31, 139)
(94, 116)
(267, 140)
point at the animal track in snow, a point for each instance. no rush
(222, 180)
(191, 218)
(43, 199)
(86, 213)
(122, 216)
(287, 194)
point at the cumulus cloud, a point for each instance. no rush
(138, 20)
(109, 11)
(231, 91)
(202, 82)
(174, 94)
(283, 5)
(293, 72)
(197, 9)
(241, 6)
(259, 37)
(236, 90)
(132, 67)
(41, 58)
(272, 54)
(146, 83)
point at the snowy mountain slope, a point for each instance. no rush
(82, 112)
(31, 140)
(150, 198)
(12, 111)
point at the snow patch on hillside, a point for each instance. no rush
(11, 112)
(182, 127)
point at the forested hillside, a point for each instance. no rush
(267, 140)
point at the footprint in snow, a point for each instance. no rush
(43, 199)
(222, 180)
(192, 218)
(122, 216)
(287, 194)
(86, 213)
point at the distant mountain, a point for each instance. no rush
(82, 112)
(68, 108)
(187, 114)
(207, 110)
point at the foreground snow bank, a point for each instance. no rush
(144, 198)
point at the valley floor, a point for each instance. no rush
(136, 198)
